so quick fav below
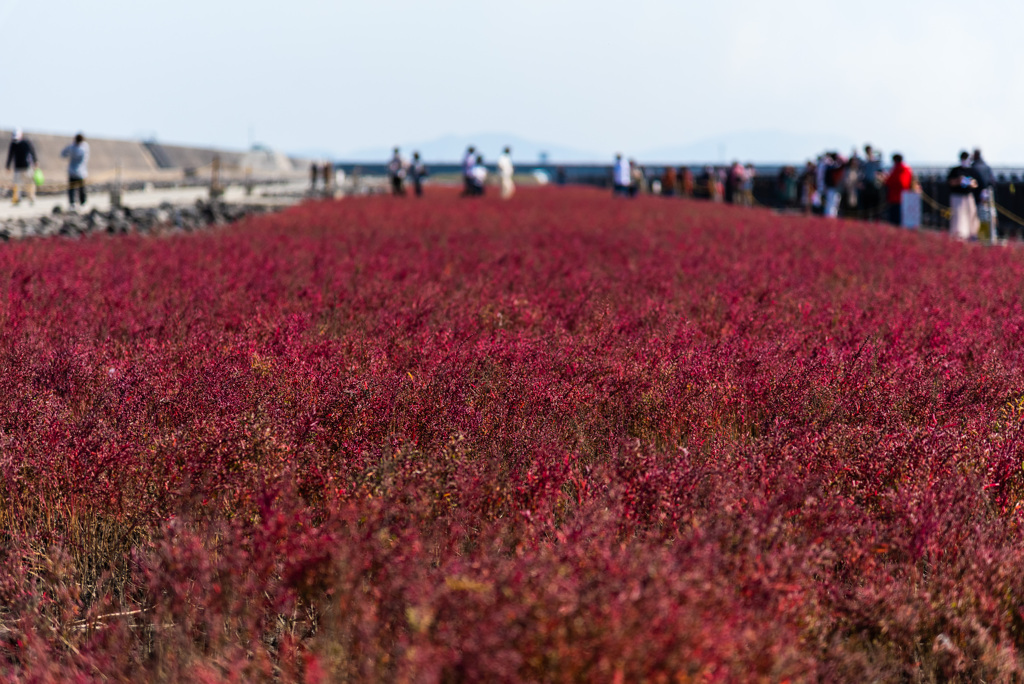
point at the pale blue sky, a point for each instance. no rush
(927, 77)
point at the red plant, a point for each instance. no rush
(561, 438)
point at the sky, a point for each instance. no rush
(924, 77)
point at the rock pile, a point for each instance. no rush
(125, 220)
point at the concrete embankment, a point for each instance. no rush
(153, 161)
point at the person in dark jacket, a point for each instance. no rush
(22, 156)
(397, 170)
(417, 172)
(468, 160)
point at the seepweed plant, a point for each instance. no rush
(562, 438)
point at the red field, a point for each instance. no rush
(564, 438)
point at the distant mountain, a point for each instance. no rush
(450, 148)
(312, 154)
(762, 147)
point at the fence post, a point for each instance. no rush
(115, 191)
(216, 190)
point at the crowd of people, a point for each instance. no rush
(863, 187)
(971, 196)
(858, 186)
(855, 185)
(23, 160)
(475, 174)
(321, 173)
(401, 169)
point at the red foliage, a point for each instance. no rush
(562, 438)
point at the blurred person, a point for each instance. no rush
(478, 177)
(747, 186)
(962, 181)
(77, 154)
(686, 181)
(417, 172)
(397, 169)
(789, 187)
(21, 155)
(850, 185)
(870, 184)
(314, 173)
(809, 187)
(820, 171)
(468, 160)
(835, 169)
(733, 182)
(620, 177)
(716, 184)
(328, 174)
(669, 181)
(705, 181)
(637, 179)
(985, 196)
(896, 183)
(505, 172)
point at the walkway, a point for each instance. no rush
(277, 194)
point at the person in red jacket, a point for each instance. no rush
(899, 179)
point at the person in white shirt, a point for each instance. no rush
(506, 170)
(621, 177)
(478, 176)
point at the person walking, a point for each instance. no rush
(686, 181)
(870, 184)
(963, 220)
(734, 183)
(851, 185)
(478, 177)
(789, 187)
(897, 182)
(808, 187)
(637, 179)
(397, 168)
(620, 177)
(77, 154)
(328, 175)
(820, 170)
(505, 173)
(669, 181)
(716, 183)
(747, 187)
(985, 196)
(417, 172)
(22, 156)
(468, 161)
(835, 169)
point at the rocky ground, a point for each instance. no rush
(167, 216)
